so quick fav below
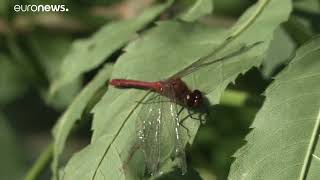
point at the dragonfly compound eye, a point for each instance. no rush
(194, 99)
(197, 98)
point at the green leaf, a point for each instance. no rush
(161, 52)
(308, 5)
(87, 54)
(284, 142)
(74, 112)
(4, 6)
(12, 84)
(49, 53)
(83, 160)
(281, 49)
(197, 10)
(12, 162)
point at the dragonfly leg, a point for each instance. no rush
(182, 120)
(200, 118)
(190, 114)
(180, 111)
(182, 125)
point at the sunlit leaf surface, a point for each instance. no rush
(281, 50)
(284, 142)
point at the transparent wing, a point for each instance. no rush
(149, 131)
(209, 59)
(159, 133)
(177, 134)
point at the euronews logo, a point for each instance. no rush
(40, 8)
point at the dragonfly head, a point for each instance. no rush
(194, 99)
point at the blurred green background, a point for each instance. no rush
(32, 46)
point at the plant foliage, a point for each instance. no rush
(284, 142)
(55, 69)
(159, 48)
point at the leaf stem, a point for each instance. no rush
(41, 163)
(261, 6)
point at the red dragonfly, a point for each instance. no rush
(159, 124)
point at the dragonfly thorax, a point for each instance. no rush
(177, 89)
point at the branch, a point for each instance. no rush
(41, 163)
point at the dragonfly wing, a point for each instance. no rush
(212, 59)
(180, 145)
(159, 133)
(175, 130)
(149, 127)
